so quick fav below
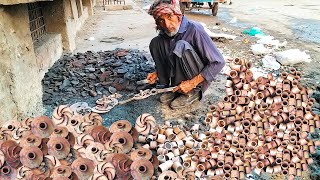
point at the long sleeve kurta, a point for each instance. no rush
(194, 34)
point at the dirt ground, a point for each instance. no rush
(136, 29)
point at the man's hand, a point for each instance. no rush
(152, 77)
(187, 86)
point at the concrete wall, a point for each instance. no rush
(47, 51)
(23, 63)
(11, 2)
(20, 84)
(64, 19)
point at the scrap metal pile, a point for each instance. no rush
(94, 73)
(261, 126)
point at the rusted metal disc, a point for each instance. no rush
(11, 125)
(122, 164)
(11, 151)
(121, 125)
(61, 171)
(58, 147)
(100, 134)
(83, 168)
(125, 139)
(142, 169)
(141, 153)
(113, 147)
(31, 156)
(7, 173)
(42, 126)
(93, 150)
(60, 131)
(84, 140)
(30, 140)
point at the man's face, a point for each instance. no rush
(170, 23)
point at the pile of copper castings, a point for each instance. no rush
(262, 126)
(72, 146)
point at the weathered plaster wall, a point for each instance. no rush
(24, 63)
(19, 72)
(62, 18)
(11, 2)
(89, 4)
(74, 23)
(47, 51)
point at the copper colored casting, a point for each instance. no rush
(42, 126)
(106, 169)
(61, 171)
(100, 134)
(142, 169)
(83, 168)
(121, 125)
(62, 115)
(60, 131)
(94, 118)
(141, 153)
(145, 123)
(30, 140)
(124, 138)
(11, 151)
(113, 147)
(168, 175)
(58, 147)
(31, 156)
(7, 173)
(122, 164)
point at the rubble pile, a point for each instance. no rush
(94, 73)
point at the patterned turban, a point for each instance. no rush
(159, 8)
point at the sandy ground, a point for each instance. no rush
(134, 28)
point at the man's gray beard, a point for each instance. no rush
(172, 33)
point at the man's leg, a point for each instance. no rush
(187, 62)
(187, 65)
(159, 48)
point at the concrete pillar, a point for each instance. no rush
(57, 15)
(20, 83)
(89, 4)
(74, 9)
(79, 7)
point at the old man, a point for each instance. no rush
(184, 55)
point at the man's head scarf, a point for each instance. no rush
(158, 8)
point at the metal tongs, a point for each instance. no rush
(146, 93)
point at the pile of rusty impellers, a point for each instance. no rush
(72, 146)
